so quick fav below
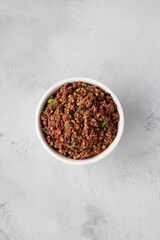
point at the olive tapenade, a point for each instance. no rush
(80, 120)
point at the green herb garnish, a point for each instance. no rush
(68, 126)
(45, 129)
(62, 128)
(80, 118)
(51, 100)
(103, 124)
(67, 137)
(89, 147)
(88, 91)
(52, 107)
(79, 107)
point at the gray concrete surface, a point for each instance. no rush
(115, 42)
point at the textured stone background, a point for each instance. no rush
(116, 42)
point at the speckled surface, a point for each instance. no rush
(117, 43)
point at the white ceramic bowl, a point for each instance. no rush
(53, 152)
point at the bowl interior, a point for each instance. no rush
(52, 151)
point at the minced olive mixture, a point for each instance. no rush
(80, 120)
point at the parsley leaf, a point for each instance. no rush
(103, 124)
(51, 100)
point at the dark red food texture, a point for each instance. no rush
(81, 122)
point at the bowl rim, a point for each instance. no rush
(53, 152)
